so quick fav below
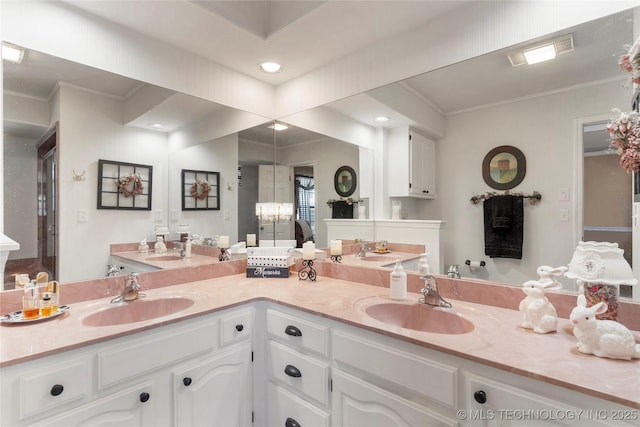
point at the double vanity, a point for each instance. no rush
(205, 347)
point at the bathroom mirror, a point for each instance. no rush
(459, 147)
(196, 134)
(541, 110)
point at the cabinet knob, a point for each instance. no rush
(186, 381)
(239, 327)
(480, 396)
(291, 423)
(425, 191)
(57, 390)
(293, 331)
(292, 371)
(144, 397)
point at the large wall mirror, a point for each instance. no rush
(90, 115)
(553, 112)
(468, 108)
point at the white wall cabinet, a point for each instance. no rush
(412, 164)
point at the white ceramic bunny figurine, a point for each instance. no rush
(538, 313)
(603, 338)
(545, 272)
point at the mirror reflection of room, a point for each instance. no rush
(448, 130)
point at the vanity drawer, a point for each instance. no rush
(298, 332)
(301, 373)
(431, 379)
(54, 386)
(285, 409)
(132, 357)
(236, 326)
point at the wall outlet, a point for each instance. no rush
(564, 214)
(158, 215)
(174, 215)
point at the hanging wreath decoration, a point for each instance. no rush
(130, 185)
(200, 189)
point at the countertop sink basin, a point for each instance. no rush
(420, 317)
(137, 311)
(165, 258)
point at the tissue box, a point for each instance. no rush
(269, 257)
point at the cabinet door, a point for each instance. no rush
(215, 391)
(422, 166)
(131, 407)
(357, 403)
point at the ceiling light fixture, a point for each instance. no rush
(381, 119)
(278, 126)
(12, 54)
(540, 54)
(156, 126)
(543, 51)
(271, 67)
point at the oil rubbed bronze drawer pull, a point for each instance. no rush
(293, 331)
(292, 371)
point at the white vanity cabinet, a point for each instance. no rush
(138, 380)
(375, 383)
(297, 370)
(412, 162)
(499, 399)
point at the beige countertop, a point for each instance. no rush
(496, 341)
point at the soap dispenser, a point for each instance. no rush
(423, 265)
(398, 283)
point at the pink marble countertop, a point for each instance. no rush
(155, 259)
(496, 341)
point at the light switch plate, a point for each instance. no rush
(563, 194)
(174, 215)
(83, 215)
(158, 215)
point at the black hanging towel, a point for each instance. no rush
(503, 226)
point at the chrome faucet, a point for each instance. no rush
(114, 270)
(131, 291)
(180, 248)
(430, 294)
(364, 248)
(453, 272)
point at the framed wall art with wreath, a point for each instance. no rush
(124, 185)
(200, 190)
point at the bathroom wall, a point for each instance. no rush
(219, 155)
(20, 191)
(545, 129)
(87, 135)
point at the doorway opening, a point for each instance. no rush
(606, 183)
(305, 204)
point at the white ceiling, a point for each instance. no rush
(329, 32)
(305, 39)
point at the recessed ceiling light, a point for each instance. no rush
(381, 119)
(540, 54)
(542, 51)
(12, 54)
(271, 67)
(156, 126)
(278, 126)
